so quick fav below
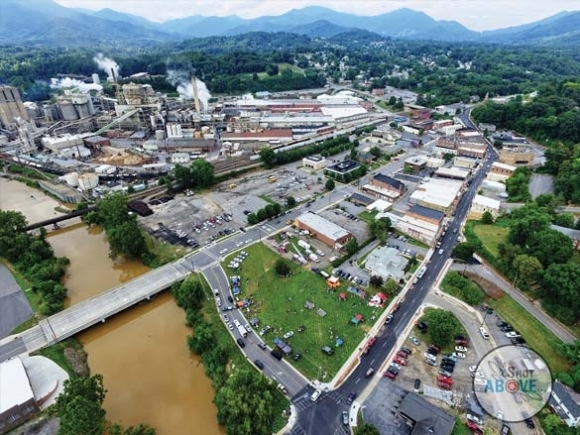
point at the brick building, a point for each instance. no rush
(327, 232)
(421, 223)
(517, 156)
(385, 187)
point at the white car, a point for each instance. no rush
(479, 381)
(226, 318)
(230, 326)
(460, 355)
(512, 334)
(288, 334)
(484, 333)
(397, 366)
(474, 419)
(248, 327)
(218, 301)
(314, 397)
(460, 349)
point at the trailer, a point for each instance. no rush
(314, 257)
(303, 244)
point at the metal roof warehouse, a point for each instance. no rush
(324, 230)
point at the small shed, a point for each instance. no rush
(357, 318)
(309, 305)
(321, 312)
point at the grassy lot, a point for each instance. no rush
(491, 236)
(281, 67)
(460, 428)
(383, 104)
(533, 331)
(164, 252)
(279, 302)
(56, 354)
(237, 359)
(368, 216)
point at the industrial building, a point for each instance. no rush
(385, 187)
(324, 230)
(344, 167)
(416, 164)
(421, 223)
(386, 263)
(17, 400)
(453, 173)
(11, 107)
(437, 194)
(500, 172)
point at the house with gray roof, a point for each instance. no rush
(424, 417)
(386, 263)
(565, 402)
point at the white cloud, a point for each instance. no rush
(474, 14)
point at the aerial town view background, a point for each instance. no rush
(307, 223)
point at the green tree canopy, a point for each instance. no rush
(282, 267)
(240, 409)
(366, 429)
(330, 184)
(443, 326)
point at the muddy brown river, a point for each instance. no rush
(150, 375)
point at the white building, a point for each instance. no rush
(314, 163)
(464, 162)
(481, 204)
(449, 130)
(386, 263)
(180, 158)
(56, 144)
(494, 186)
(436, 193)
(174, 131)
(454, 173)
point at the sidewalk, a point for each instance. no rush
(488, 272)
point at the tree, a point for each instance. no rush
(464, 251)
(443, 326)
(379, 228)
(202, 173)
(330, 184)
(183, 176)
(376, 281)
(80, 406)
(188, 294)
(550, 246)
(366, 429)
(561, 291)
(282, 267)
(290, 202)
(566, 220)
(391, 287)
(240, 409)
(448, 157)
(353, 153)
(269, 157)
(528, 268)
(487, 218)
(352, 246)
(526, 221)
(376, 152)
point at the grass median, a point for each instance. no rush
(491, 236)
(280, 303)
(536, 334)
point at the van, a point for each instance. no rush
(369, 372)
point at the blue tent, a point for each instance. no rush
(339, 342)
(236, 290)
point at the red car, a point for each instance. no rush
(400, 361)
(444, 385)
(472, 426)
(390, 375)
(366, 350)
(372, 341)
(461, 343)
(445, 379)
(402, 355)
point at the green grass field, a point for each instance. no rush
(542, 340)
(279, 303)
(281, 67)
(491, 236)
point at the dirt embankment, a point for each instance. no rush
(489, 288)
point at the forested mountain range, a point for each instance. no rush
(44, 22)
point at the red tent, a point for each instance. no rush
(382, 296)
(342, 296)
(359, 317)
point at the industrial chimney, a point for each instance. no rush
(195, 95)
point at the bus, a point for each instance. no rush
(421, 272)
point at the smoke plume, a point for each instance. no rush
(67, 83)
(182, 81)
(106, 64)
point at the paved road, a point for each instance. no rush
(488, 273)
(323, 417)
(15, 307)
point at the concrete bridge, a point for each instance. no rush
(97, 309)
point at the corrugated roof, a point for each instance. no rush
(361, 198)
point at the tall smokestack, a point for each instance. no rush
(195, 95)
(113, 75)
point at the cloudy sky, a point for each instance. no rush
(474, 14)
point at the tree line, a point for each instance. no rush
(240, 409)
(33, 257)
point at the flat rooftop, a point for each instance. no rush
(344, 166)
(322, 226)
(15, 387)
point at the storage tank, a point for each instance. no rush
(88, 181)
(72, 179)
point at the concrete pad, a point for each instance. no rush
(46, 378)
(15, 310)
(32, 203)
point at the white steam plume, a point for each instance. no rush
(107, 64)
(182, 81)
(68, 83)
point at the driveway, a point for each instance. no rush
(15, 308)
(488, 273)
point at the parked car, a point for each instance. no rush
(241, 342)
(417, 385)
(431, 362)
(314, 397)
(460, 349)
(389, 319)
(406, 350)
(259, 364)
(372, 341)
(434, 348)
(414, 340)
(484, 333)
(327, 350)
(445, 373)
(512, 334)
(288, 335)
(261, 345)
(402, 355)
(400, 361)
(460, 355)
(395, 365)
(474, 419)
(389, 375)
